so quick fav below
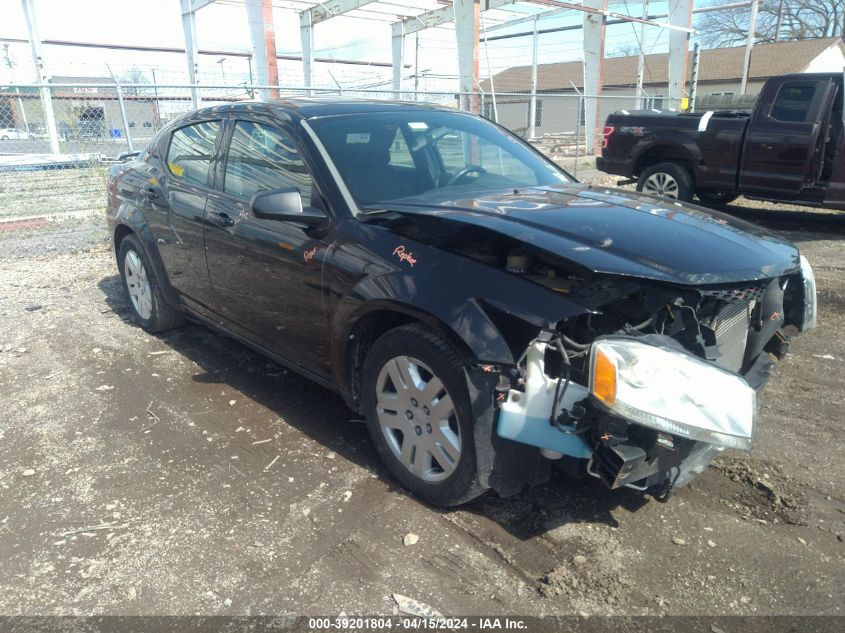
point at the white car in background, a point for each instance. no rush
(8, 133)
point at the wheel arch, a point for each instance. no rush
(132, 225)
(667, 151)
(367, 325)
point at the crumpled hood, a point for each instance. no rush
(619, 232)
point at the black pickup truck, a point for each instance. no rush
(788, 149)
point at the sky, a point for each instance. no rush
(223, 26)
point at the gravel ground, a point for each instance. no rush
(182, 474)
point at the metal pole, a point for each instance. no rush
(696, 58)
(416, 66)
(577, 126)
(641, 62)
(41, 73)
(23, 110)
(490, 73)
(532, 113)
(122, 108)
(189, 30)
(158, 101)
(752, 26)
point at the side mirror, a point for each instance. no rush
(285, 205)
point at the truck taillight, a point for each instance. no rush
(606, 134)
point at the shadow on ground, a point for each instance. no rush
(322, 416)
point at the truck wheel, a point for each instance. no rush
(149, 307)
(419, 415)
(667, 180)
(716, 198)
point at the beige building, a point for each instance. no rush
(719, 78)
(92, 111)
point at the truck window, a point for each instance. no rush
(795, 102)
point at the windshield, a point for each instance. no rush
(388, 156)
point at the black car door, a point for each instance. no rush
(785, 138)
(177, 209)
(266, 274)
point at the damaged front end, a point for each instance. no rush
(646, 390)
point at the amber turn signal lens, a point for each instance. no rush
(604, 379)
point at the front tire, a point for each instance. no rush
(146, 300)
(419, 415)
(667, 180)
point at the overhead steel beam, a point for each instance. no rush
(314, 15)
(589, 7)
(680, 15)
(444, 15)
(333, 8)
(594, 38)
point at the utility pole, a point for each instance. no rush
(416, 66)
(641, 61)
(779, 21)
(696, 60)
(752, 27)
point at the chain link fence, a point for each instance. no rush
(61, 171)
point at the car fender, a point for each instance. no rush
(132, 217)
(487, 310)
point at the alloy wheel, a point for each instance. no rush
(661, 184)
(138, 284)
(417, 417)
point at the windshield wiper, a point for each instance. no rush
(377, 213)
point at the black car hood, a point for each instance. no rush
(619, 232)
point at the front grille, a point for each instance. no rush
(731, 329)
(737, 294)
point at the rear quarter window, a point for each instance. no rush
(190, 152)
(795, 102)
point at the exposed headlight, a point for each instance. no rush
(672, 391)
(810, 304)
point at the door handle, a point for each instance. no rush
(149, 192)
(223, 219)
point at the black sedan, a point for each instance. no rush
(488, 314)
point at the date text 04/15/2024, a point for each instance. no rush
(416, 623)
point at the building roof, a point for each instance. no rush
(716, 65)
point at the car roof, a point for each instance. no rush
(309, 107)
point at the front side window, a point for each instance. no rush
(795, 102)
(394, 155)
(261, 158)
(190, 152)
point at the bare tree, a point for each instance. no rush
(134, 76)
(776, 20)
(624, 50)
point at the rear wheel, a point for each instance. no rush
(419, 415)
(149, 307)
(667, 180)
(716, 198)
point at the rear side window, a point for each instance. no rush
(262, 158)
(190, 151)
(795, 102)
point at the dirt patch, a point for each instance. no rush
(762, 491)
